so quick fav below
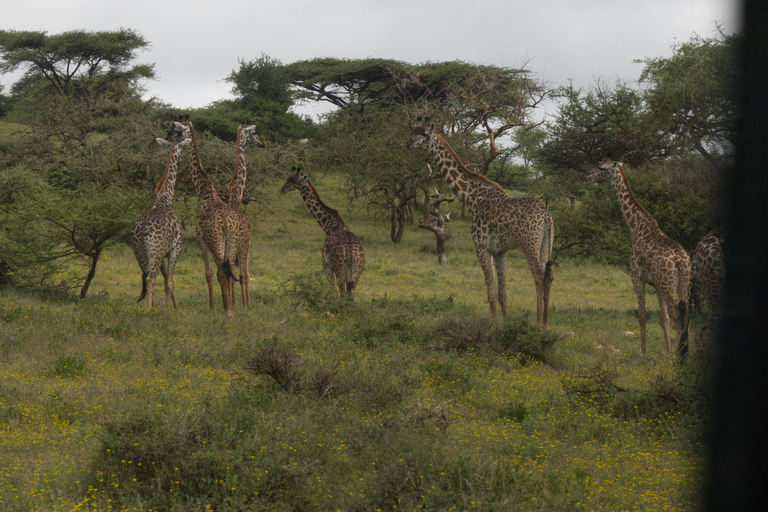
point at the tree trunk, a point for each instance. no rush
(397, 221)
(91, 273)
(441, 235)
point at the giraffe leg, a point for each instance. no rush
(500, 262)
(328, 269)
(166, 282)
(486, 263)
(642, 314)
(664, 318)
(547, 286)
(245, 276)
(225, 283)
(208, 269)
(151, 277)
(155, 264)
(173, 257)
(538, 281)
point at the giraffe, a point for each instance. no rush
(708, 272)
(216, 232)
(343, 253)
(499, 223)
(236, 188)
(156, 234)
(654, 259)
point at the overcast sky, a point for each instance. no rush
(197, 43)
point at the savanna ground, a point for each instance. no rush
(406, 398)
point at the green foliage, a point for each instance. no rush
(71, 61)
(692, 94)
(6, 104)
(681, 194)
(515, 336)
(264, 98)
(592, 124)
(344, 82)
(46, 229)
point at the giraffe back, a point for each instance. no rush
(708, 267)
(345, 253)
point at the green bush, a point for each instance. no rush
(517, 335)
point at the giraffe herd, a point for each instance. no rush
(500, 223)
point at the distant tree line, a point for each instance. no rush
(77, 164)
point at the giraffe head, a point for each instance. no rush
(295, 180)
(248, 134)
(603, 171)
(177, 133)
(421, 133)
(179, 144)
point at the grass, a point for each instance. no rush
(306, 402)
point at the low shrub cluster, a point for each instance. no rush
(516, 336)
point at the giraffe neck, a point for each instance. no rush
(637, 218)
(237, 184)
(328, 218)
(203, 184)
(164, 188)
(468, 186)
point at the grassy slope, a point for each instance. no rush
(90, 391)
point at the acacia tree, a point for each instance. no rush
(86, 139)
(345, 83)
(73, 60)
(590, 124)
(691, 98)
(370, 148)
(478, 105)
(263, 96)
(47, 234)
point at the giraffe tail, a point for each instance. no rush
(546, 250)
(350, 287)
(684, 307)
(143, 286)
(227, 266)
(229, 257)
(685, 320)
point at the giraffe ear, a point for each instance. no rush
(184, 143)
(163, 142)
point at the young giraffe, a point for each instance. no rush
(236, 188)
(655, 258)
(499, 223)
(216, 233)
(343, 253)
(708, 271)
(156, 234)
